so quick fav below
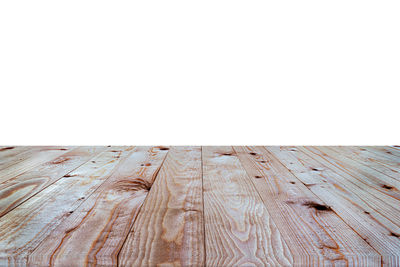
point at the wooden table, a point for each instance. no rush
(195, 206)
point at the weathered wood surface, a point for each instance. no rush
(95, 232)
(301, 215)
(30, 159)
(17, 189)
(169, 229)
(238, 228)
(199, 206)
(363, 207)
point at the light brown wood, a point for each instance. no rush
(362, 207)
(10, 154)
(16, 190)
(23, 228)
(238, 228)
(385, 164)
(307, 224)
(169, 229)
(199, 206)
(30, 160)
(95, 232)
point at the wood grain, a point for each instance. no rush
(23, 228)
(169, 229)
(372, 176)
(380, 189)
(16, 190)
(95, 232)
(385, 164)
(238, 228)
(307, 224)
(30, 160)
(358, 205)
(9, 154)
(199, 206)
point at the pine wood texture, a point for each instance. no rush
(199, 206)
(172, 216)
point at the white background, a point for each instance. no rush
(199, 72)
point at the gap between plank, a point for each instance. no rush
(258, 193)
(94, 191)
(134, 220)
(202, 195)
(322, 200)
(55, 180)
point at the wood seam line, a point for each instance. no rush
(94, 191)
(265, 148)
(19, 154)
(370, 156)
(66, 151)
(324, 201)
(55, 180)
(320, 159)
(202, 195)
(373, 150)
(317, 197)
(86, 199)
(348, 170)
(358, 162)
(394, 149)
(30, 168)
(382, 256)
(134, 220)
(262, 200)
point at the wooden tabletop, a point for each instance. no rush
(196, 206)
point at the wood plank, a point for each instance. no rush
(371, 160)
(9, 153)
(23, 228)
(366, 178)
(95, 232)
(387, 150)
(16, 190)
(169, 229)
(369, 156)
(390, 154)
(238, 228)
(13, 156)
(309, 226)
(33, 159)
(364, 209)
